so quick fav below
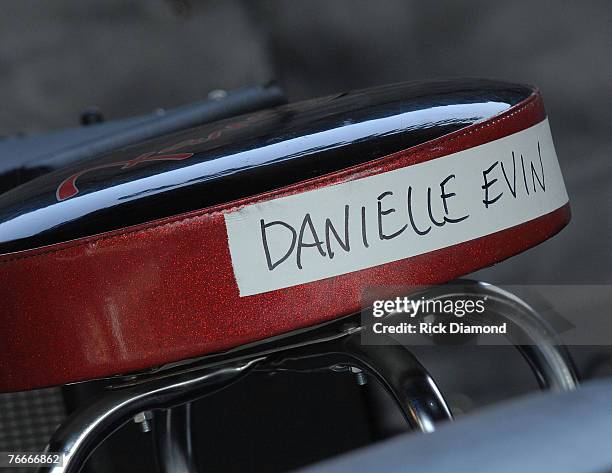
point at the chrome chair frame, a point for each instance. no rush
(332, 346)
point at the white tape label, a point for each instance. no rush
(397, 214)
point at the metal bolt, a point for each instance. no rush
(143, 419)
(350, 328)
(217, 94)
(360, 376)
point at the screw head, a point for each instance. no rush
(143, 418)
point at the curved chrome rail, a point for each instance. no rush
(393, 366)
(529, 332)
(173, 442)
(335, 345)
(81, 434)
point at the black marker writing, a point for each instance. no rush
(382, 213)
(264, 238)
(329, 228)
(316, 243)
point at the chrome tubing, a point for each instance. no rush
(173, 443)
(393, 366)
(336, 346)
(81, 434)
(528, 331)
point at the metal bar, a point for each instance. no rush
(335, 346)
(409, 383)
(529, 332)
(80, 435)
(395, 367)
(173, 442)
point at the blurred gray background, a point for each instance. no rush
(134, 56)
